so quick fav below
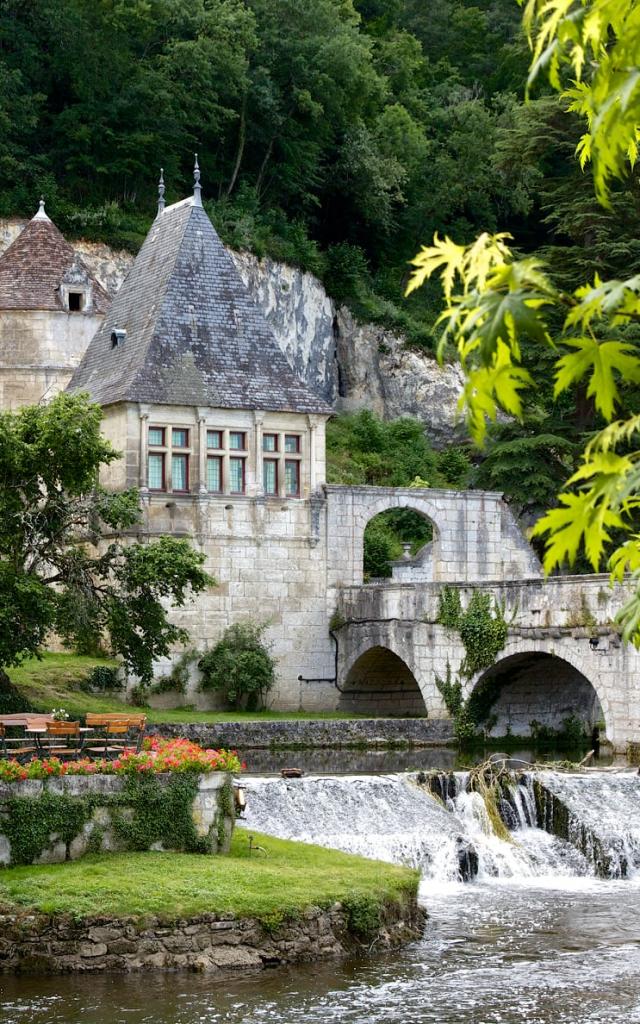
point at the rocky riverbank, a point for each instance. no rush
(32, 942)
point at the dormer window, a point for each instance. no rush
(118, 337)
(76, 302)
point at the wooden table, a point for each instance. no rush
(24, 718)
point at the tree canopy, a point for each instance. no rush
(69, 561)
(498, 302)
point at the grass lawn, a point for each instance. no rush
(288, 878)
(54, 682)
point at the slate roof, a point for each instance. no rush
(194, 335)
(36, 263)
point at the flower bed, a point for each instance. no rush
(157, 756)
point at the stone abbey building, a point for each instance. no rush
(227, 448)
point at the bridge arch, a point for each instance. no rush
(379, 682)
(540, 687)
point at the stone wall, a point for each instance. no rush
(568, 618)
(32, 942)
(475, 535)
(208, 811)
(375, 732)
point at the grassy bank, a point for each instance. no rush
(55, 681)
(274, 885)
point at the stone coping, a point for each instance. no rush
(99, 785)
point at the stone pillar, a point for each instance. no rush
(143, 412)
(258, 420)
(202, 451)
(313, 422)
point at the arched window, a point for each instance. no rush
(397, 535)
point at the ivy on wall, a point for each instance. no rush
(481, 626)
(483, 631)
(145, 813)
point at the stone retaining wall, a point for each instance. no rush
(40, 943)
(209, 811)
(371, 732)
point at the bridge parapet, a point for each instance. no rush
(588, 603)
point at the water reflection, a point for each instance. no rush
(334, 761)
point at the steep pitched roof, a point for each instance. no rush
(194, 335)
(37, 262)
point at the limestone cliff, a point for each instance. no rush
(352, 365)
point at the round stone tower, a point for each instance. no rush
(50, 308)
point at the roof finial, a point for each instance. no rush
(41, 215)
(161, 191)
(197, 188)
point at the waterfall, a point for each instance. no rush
(556, 825)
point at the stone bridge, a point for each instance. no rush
(563, 657)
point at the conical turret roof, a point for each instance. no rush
(194, 336)
(37, 262)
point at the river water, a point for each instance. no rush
(535, 936)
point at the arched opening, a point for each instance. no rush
(380, 684)
(398, 543)
(538, 695)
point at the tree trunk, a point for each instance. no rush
(12, 702)
(263, 165)
(242, 135)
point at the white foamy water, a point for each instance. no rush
(392, 818)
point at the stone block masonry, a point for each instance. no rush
(36, 943)
(356, 732)
(84, 812)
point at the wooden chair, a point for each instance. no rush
(118, 733)
(62, 739)
(15, 747)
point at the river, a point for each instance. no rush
(533, 937)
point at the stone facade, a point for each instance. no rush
(39, 350)
(97, 834)
(36, 943)
(50, 307)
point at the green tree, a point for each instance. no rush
(67, 562)
(494, 299)
(240, 666)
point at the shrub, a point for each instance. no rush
(177, 679)
(240, 666)
(102, 678)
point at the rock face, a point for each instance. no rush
(35, 943)
(378, 372)
(302, 317)
(351, 365)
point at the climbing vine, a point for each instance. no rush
(161, 814)
(481, 626)
(146, 812)
(32, 821)
(483, 631)
(226, 809)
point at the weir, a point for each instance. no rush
(548, 824)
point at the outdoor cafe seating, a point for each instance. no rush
(24, 737)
